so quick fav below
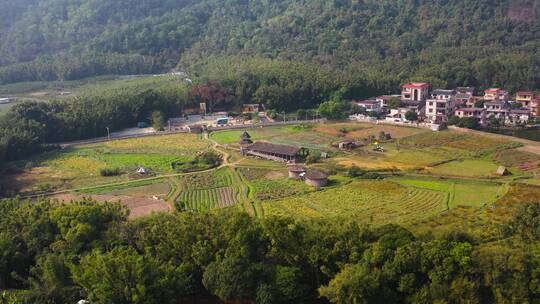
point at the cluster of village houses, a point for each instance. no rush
(437, 106)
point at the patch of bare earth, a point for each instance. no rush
(26, 181)
(138, 206)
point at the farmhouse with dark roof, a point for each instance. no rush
(275, 152)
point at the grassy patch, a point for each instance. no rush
(375, 202)
(206, 191)
(460, 192)
(467, 168)
(121, 187)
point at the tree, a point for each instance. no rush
(470, 123)
(212, 93)
(411, 116)
(301, 114)
(479, 103)
(454, 120)
(124, 276)
(333, 110)
(158, 120)
(394, 103)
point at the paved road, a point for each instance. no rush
(65, 145)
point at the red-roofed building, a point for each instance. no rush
(496, 94)
(415, 92)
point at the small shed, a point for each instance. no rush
(502, 171)
(316, 178)
(142, 170)
(245, 139)
(296, 172)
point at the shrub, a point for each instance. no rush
(454, 120)
(110, 172)
(354, 171)
(312, 158)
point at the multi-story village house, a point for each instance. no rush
(496, 109)
(529, 100)
(416, 92)
(478, 113)
(525, 98)
(496, 94)
(440, 106)
(465, 97)
(518, 116)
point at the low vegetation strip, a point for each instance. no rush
(208, 180)
(207, 199)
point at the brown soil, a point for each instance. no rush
(138, 206)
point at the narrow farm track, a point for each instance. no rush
(177, 191)
(243, 190)
(217, 198)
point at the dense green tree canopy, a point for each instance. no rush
(53, 253)
(456, 42)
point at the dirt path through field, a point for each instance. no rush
(242, 187)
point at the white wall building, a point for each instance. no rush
(440, 106)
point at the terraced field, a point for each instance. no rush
(204, 200)
(207, 191)
(376, 202)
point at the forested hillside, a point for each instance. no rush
(464, 42)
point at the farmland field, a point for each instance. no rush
(365, 201)
(428, 179)
(207, 191)
(468, 168)
(272, 184)
(80, 166)
(460, 192)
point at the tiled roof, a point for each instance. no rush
(416, 85)
(268, 148)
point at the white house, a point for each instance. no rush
(415, 92)
(478, 113)
(370, 105)
(518, 116)
(497, 109)
(440, 106)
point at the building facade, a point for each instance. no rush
(415, 92)
(440, 106)
(478, 113)
(496, 94)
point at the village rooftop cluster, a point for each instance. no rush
(439, 105)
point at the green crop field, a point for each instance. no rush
(210, 180)
(80, 166)
(207, 191)
(208, 199)
(272, 184)
(467, 168)
(460, 192)
(366, 201)
(430, 178)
